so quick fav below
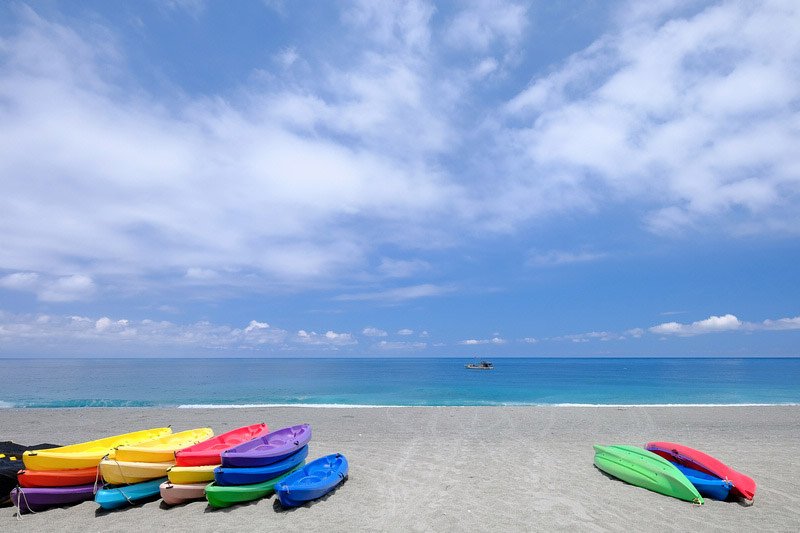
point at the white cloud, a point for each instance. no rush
(397, 345)
(716, 324)
(712, 324)
(587, 337)
(400, 294)
(329, 338)
(47, 289)
(559, 257)
(480, 24)
(688, 111)
(20, 281)
(67, 289)
(405, 332)
(780, 324)
(494, 340)
(692, 113)
(373, 332)
(398, 268)
(255, 325)
(287, 57)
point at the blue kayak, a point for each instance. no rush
(706, 484)
(114, 497)
(229, 476)
(312, 481)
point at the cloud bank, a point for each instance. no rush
(311, 167)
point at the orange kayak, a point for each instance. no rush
(58, 478)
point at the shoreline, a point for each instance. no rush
(442, 468)
(210, 406)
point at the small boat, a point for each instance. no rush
(267, 449)
(483, 365)
(313, 481)
(183, 475)
(175, 493)
(41, 498)
(742, 485)
(207, 452)
(131, 472)
(227, 495)
(116, 497)
(707, 485)
(164, 448)
(645, 469)
(86, 454)
(58, 478)
(258, 474)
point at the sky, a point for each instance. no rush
(475, 179)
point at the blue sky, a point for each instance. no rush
(360, 178)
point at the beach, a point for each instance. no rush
(508, 468)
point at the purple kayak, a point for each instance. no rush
(40, 498)
(267, 449)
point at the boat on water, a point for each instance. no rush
(483, 365)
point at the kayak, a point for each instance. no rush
(116, 497)
(258, 474)
(164, 448)
(41, 498)
(267, 449)
(645, 469)
(58, 478)
(130, 472)
(706, 484)
(182, 475)
(207, 452)
(86, 454)
(742, 485)
(314, 480)
(175, 493)
(227, 495)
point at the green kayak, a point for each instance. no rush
(645, 469)
(227, 495)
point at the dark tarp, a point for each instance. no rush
(11, 463)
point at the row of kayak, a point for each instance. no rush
(675, 470)
(241, 465)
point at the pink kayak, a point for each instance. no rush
(173, 494)
(691, 458)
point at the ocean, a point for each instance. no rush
(347, 382)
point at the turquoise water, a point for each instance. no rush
(348, 382)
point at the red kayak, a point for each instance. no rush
(58, 478)
(691, 458)
(208, 452)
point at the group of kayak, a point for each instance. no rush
(674, 470)
(244, 464)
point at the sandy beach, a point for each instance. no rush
(457, 468)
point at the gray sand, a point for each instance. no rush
(457, 469)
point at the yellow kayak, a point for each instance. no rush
(86, 454)
(164, 448)
(129, 472)
(184, 475)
